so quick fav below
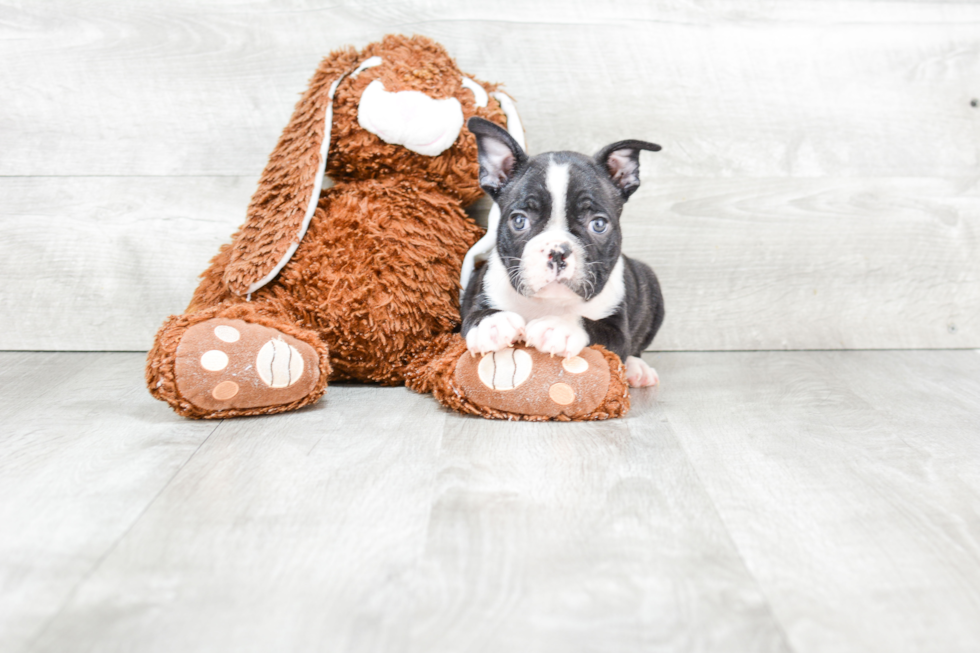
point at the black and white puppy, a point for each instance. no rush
(557, 277)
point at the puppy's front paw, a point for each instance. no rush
(639, 374)
(556, 335)
(495, 332)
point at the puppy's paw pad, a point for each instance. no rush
(639, 374)
(495, 332)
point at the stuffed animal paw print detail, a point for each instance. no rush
(232, 364)
(521, 382)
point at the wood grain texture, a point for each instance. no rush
(745, 264)
(82, 455)
(817, 187)
(729, 88)
(847, 481)
(378, 521)
(751, 264)
(778, 501)
(99, 263)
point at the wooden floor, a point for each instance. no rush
(790, 501)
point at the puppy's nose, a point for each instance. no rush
(558, 255)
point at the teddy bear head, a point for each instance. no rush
(397, 107)
(402, 108)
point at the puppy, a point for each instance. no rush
(557, 277)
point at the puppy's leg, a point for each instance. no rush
(557, 335)
(639, 374)
(495, 332)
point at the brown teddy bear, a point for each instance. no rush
(360, 281)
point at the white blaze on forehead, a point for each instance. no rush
(556, 181)
(537, 272)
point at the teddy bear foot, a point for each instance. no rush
(520, 382)
(228, 364)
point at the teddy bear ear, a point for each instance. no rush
(289, 188)
(514, 126)
(481, 250)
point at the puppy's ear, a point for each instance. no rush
(622, 161)
(499, 154)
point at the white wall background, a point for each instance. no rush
(819, 185)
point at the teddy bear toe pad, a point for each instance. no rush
(224, 363)
(524, 381)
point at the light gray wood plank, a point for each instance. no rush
(753, 264)
(83, 451)
(286, 520)
(947, 440)
(856, 518)
(99, 263)
(797, 89)
(582, 537)
(767, 262)
(378, 521)
(802, 501)
(745, 264)
(29, 380)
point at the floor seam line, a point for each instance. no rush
(728, 533)
(112, 547)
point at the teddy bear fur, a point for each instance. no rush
(371, 282)
(375, 277)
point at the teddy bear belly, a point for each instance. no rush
(377, 274)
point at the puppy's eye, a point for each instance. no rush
(599, 225)
(519, 222)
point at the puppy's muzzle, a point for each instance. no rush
(556, 254)
(549, 258)
(558, 257)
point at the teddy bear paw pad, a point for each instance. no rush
(223, 363)
(524, 381)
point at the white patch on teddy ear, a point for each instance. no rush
(370, 62)
(514, 126)
(478, 92)
(318, 183)
(482, 248)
